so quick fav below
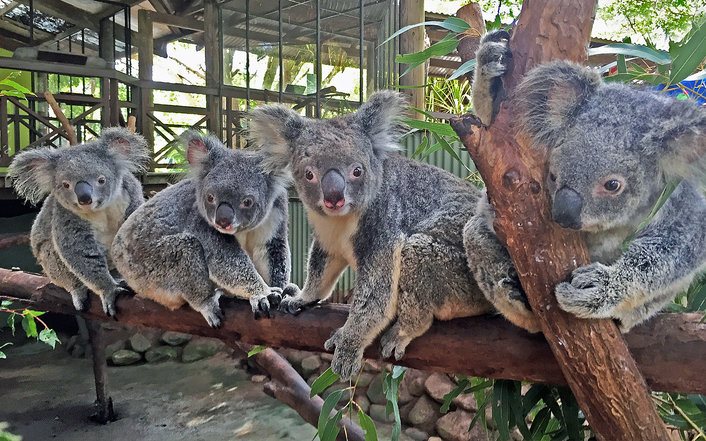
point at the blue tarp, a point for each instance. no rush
(688, 89)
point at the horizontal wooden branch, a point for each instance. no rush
(670, 349)
(8, 240)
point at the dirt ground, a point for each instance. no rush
(47, 395)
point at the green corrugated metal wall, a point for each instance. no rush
(300, 232)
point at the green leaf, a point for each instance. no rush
(434, 127)
(443, 47)
(11, 322)
(456, 391)
(570, 411)
(515, 405)
(622, 68)
(689, 56)
(632, 50)
(49, 337)
(390, 386)
(331, 430)
(367, 424)
(34, 313)
(328, 406)
(463, 69)
(539, 423)
(435, 148)
(324, 380)
(29, 325)
(2, 355)
(532, 397)
(422, 146)
(17, 86)
(5, 304)
(452, 24)
(256, 350)
(447, 148)
(501, 409)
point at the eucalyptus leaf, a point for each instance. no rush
(689, 56)
(367, 424)
(452, 24)
(632, 50)
(326, 379)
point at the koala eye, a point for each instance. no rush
(612, 185)
(356, 172)
(101, 180)
(210, 198)
(309, 175)
(246, 203)
(66, 184)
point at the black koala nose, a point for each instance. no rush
(224, 215)
(333, 186)
(84, 192)
(566, 210)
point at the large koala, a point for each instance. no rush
(90, 190)
(612, 149)
(221, 231)
(397, 222)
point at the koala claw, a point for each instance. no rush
(275, 296)
(263, 309)
(515, 291)
(347, 357)
(393, 344)
(109, 299)
(81, 299)
(295, 305)
(214, 317)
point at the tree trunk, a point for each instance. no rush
(592, 354)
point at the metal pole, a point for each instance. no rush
(318, 58)
(247, 54)
(360, 52)
(279, 31)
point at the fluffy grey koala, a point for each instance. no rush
(397, 222)
(90, 191)
(493, 60)
(223, 230)
(612, 149)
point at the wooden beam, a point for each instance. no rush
(177, 21)
(412, 12)
(145, 54)
(592, 354)
(214, 60)
(670, 349)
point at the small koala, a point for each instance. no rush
(90, 190)
(612, 149)
(493, 61)
(396, 221)
(221, 231)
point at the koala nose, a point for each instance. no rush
(566, 210)
(224, 215)
(84, 192)
(333, 186)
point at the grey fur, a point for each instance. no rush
(400, 226)
(173, 251)
(69, 240)
(493, 61)
(597, 133)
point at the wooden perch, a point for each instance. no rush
(592, 354)
(287, 386)
(670, 349)
(12, 239)
(65, 123)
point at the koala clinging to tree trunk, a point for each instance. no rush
(397, 222)
(91, 191)
(222, 231)
(612, 149)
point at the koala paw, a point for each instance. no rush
(293, 301)
(110, 297)
(393, 343)
(589, 294)
(347, 356)
(261, 305)
(211, 310)
(80, 298)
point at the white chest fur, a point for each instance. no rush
(107, 221)
(335, 233)
(254, 243)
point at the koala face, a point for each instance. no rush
(233, 193)
(610, 145)
(82, 178)
(337, 163)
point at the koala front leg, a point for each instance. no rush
(85, 257)
(495, 273)
(230, 268)
(323, 270)
(279, 257)
(373, 308)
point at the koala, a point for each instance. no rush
(612, 149)
(493, 60)
(90, 190)
(396, 221)
(221, 231)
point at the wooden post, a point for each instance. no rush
(68, 128)
(145, 49)
(212, 26)
(412, 12)
(106, 41)
(592, 354)
(104, 403)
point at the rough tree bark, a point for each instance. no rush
(592, 354)
(670, 348)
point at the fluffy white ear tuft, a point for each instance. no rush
(128, 147)
(32, 173)
(379, 118)
(274, 129)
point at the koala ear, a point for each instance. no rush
(680, 140)
(32, 173)
(130, 148)
(379, 119)
(274, 129)
(550, 96)
(198, 149)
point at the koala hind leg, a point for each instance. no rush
(413, 320)
(61, 276)
(183, 276)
